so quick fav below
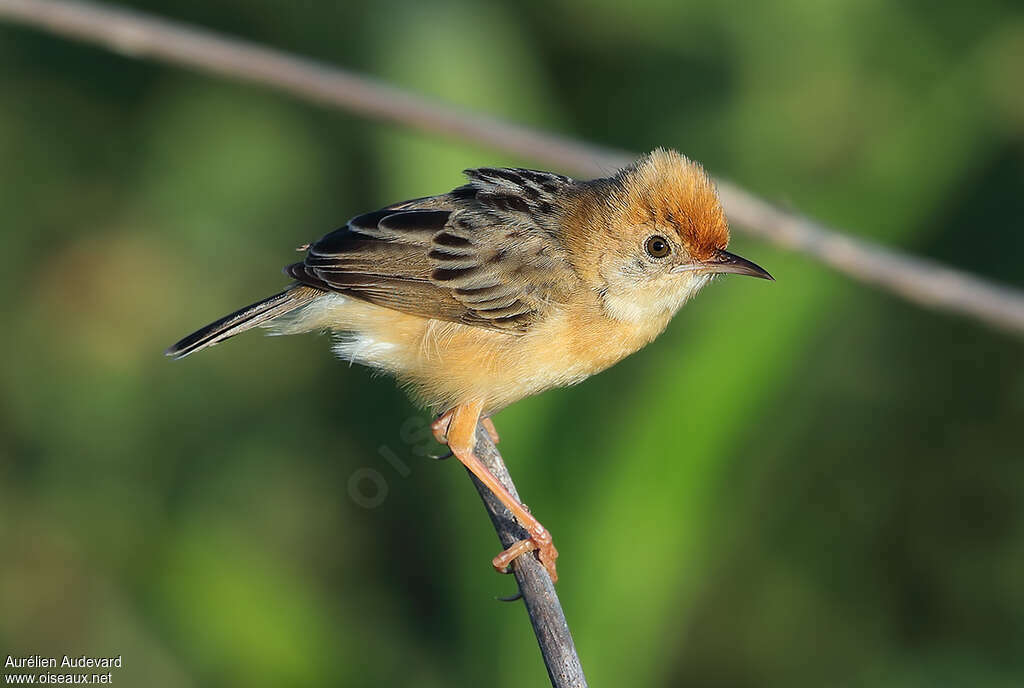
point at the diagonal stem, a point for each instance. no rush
(538, 591)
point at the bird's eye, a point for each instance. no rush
(657, 246)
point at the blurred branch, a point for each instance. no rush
(538, 591)
(919, 280)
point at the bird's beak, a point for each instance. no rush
(723, 261)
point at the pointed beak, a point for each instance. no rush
(723, 261)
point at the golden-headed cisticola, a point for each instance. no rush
(512, 284)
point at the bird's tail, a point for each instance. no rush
(244, 319)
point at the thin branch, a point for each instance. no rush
(542, 604)
(919, 280)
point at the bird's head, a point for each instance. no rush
(649, 237)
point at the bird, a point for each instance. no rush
(516, 282)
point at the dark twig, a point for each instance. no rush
(922, 281)
(536, 587)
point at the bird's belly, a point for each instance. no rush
(444, 364)
(449, 364)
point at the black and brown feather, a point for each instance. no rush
(483, 254)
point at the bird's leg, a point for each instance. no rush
(458, 429)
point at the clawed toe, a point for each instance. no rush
(542, 545)
(440, 427)
(491, 430)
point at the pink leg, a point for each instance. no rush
(457, 428)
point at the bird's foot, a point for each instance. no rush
(491, 430)
(441, 424)
(540, 542)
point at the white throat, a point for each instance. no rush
(662, 302)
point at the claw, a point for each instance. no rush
(541, 543)
(441, 457)
(440, 427)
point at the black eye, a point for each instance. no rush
(657, 247)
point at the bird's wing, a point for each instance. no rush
(487, 254)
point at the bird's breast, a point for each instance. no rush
(461, 363)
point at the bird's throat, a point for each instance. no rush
(654, 304)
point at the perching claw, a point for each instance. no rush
(510, 598)
(440, 429)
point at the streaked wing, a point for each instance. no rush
(485, 255)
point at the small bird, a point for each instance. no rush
(515, 283)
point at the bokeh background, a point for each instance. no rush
(807, 483)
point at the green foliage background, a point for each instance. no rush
(808, 483)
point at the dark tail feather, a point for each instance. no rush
(244, 319)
